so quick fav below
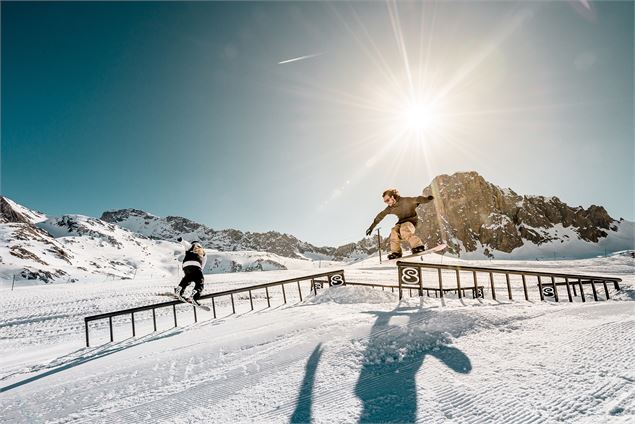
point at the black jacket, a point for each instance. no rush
(192, 258)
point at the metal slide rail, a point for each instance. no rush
(392, 287)
(411, 276)
(333, 278)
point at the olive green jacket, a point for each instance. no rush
(405, 208)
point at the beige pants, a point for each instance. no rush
(405, 231)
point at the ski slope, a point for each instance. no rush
(349, 354)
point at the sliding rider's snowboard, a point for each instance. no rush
(184, 300)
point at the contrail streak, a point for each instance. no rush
(295, 59)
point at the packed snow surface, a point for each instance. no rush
(347, 354)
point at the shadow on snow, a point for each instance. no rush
(302, 413)
(387, 382)
(86, 355)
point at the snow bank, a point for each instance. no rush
(351, 295)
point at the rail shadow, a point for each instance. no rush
(90, 354)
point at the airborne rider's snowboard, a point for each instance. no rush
(434, 249)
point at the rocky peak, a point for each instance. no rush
(124, 214)
(469, 212)
(11, 212)
(184, 225)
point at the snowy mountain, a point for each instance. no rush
(77, 247)
(480, 219)
(171, 227)
(27, 250)
(72, 247)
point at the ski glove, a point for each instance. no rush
(369, 231)
(180, 239)
(430, 197)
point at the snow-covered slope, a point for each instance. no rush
(75, 247)
(350, 354)
(36, 248)
(564, 242)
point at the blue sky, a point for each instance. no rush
(183, 108)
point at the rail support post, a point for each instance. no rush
(542, 295)
(566, 281)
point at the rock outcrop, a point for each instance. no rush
(471, 213)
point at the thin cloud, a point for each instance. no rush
(295, 59)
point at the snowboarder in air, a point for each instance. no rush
(405, 209)
(193, 264)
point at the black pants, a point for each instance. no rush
(193, 274)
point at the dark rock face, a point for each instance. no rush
(469, 211)
(45, 276)
(8, 214)
(117, 216)
(183, 225)
(12, 213)
(22, 253)
(361, 249)
(264, 264)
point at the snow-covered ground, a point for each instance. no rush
(349, 354)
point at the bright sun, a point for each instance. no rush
(418, 118)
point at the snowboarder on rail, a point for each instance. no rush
(193, 264)
(405, 209)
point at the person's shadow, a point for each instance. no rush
(302, 413)
(387, 381)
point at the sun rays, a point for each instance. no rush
(411, 105)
